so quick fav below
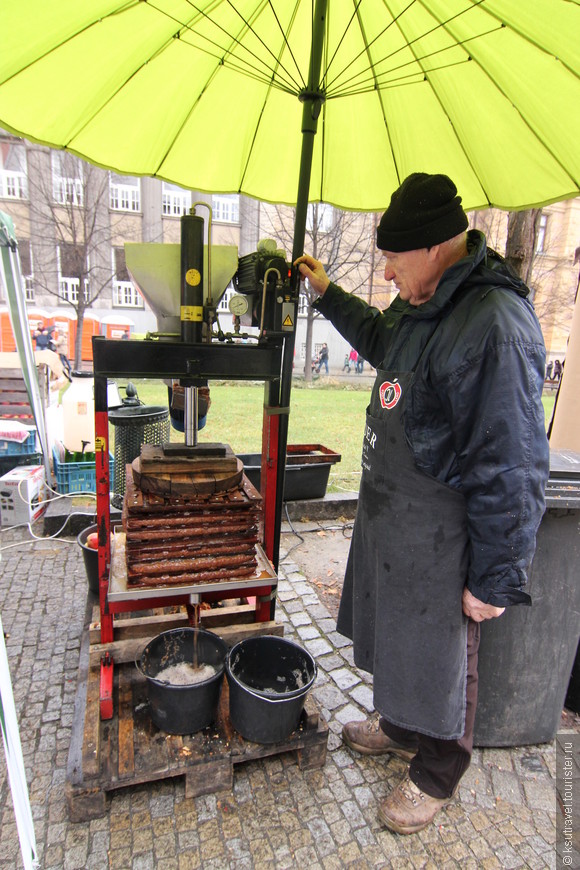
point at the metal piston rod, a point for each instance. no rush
(191, 407)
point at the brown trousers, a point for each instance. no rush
(439, 764)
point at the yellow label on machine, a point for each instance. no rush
(99, 444)
(192, 277)
(192, 312)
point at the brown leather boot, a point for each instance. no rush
(368, 738)
(408, 810)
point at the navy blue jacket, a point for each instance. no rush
(474, 417)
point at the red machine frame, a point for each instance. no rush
(116, 358)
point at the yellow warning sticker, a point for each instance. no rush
(192, 277)
(288, 321)
(192, 312)
(99, 444)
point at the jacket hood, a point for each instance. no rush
(490, 267)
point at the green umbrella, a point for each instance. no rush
(291, 101)
(208, 93)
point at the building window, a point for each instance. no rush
(25, 254)
(319, 217)
(226, 208)
(67, 179)
(125, 294)
(176, 201)
(124, 193)
(541, 237)
(13, 181)
(72, 264)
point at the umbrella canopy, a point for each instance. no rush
(208, 93)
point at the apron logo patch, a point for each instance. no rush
(389, 394)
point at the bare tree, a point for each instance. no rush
(342, 241)
(520, 246)
(71, 231)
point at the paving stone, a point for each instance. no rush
(330, 662)
(538, 796)
(363, 695)
(506, 786)
(350, 713)
(344, 678)
(318, 647)
(308, 632)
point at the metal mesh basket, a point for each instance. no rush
(135, 426)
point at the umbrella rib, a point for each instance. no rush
(248, 26)
(519, 32)
(474, 59)
(287, 44)
(408, 43)
(341, 40)
(378, 85)
(250, 149)
(291, 85)
(356, 89)
(128, 5)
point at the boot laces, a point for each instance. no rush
(411, 791)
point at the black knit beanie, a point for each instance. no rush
(424, 211)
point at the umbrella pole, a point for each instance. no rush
(278, 392)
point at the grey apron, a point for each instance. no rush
(401, 602)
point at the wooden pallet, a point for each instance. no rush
(130, 750)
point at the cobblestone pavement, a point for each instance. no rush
(276, 816)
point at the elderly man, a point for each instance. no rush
(454, 465)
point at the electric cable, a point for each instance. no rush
(29, 524)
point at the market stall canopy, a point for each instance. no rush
(208, 94)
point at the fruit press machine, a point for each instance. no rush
(194, 527)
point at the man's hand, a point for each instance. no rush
(476, 609)
(314, 271)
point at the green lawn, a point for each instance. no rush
(332, 415)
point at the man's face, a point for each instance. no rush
(412, 273)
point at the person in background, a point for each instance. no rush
(353, 358)
(323, 358)
(451, 493)
(61, 348)
(41, 338)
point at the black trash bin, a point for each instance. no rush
(135, 426)
(572, 700)
(526, 656)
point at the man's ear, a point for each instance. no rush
(434, 253)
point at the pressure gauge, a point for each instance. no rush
(238, 305)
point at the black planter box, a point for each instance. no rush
(307, 470)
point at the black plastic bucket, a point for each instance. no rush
(269, 678)
(91, 557)
(183, 709)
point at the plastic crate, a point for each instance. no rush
(15, 448)
(77, 476)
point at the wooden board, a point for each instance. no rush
(130, 750)
(193, 480)
(155, 459)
